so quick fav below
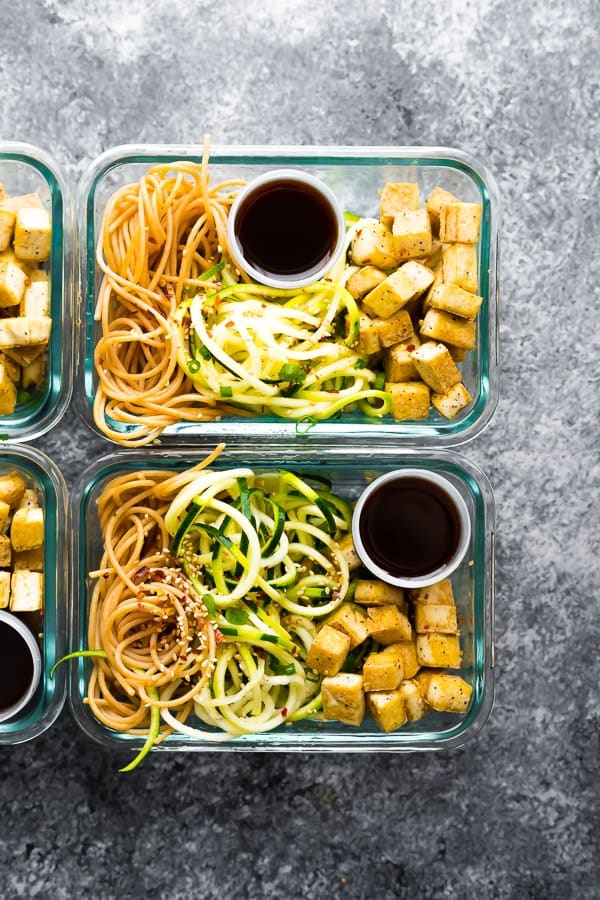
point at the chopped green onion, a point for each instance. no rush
(293, 373)
(236, 616)
(379, 382)
(226, 391)
(23, 396)
(193, 366)
(209, 602)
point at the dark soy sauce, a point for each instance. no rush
(286, 228)
(16, 666)
(410, 527)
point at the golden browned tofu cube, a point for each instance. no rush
(449, 693)
(7, 227)
(367, 342)
(409, 281)
(26, 591)
(5, 550)
(460, 222)
(397, 328)
(12, 369)
(407, 650)
(434, 259)
(352, 620)
(373, 245)
(451, 403)
(21, 201)
(21, 331)
(453, 299)
(388, 624)
(29, 500)
(459, 266)
(12, 284)
(378, 593)
(438, 650)
(382, 671)
(343, 698)
(437, 279)
(410, 399)
(432, 618)
(8, 392)
(458, 354)
(4, 514)
(328, 651)
(423, 678)
(449, 329)
(439, 593)
(29, 559)
(347, 547)
(24, 356)
(12, 488)
(4, 589)
(416, 705)
(27, 529)
(36, 299)
(33, 234)
(434, 204)
(364, 280)
(435, 366)
(387, 709)
(412, 233)
(398, 363)
(395, 197)
(33, 375)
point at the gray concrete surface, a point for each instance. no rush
(515, 814)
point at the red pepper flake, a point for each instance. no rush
(284, 712)
(159, 575)
(141, 574)
(218, 636)
(410, 347)
(294, 650)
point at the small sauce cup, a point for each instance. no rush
(20, 667)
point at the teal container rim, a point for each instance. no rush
(431, 432)
(451, 463)
(49, 699)
(41, 414)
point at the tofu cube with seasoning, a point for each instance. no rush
(449, 329)
(29, 559)
(388, 624)
(4, 514)
(328, 651)
(348, 549)
(452, 402)
(439, 593)
(7, 227)
(4, 589)
(415, 703)
(437, 200)
(423, 678)
(410, 399)
(407, 650)
(367, 342)
(378, 593)
(5, 550)
(439, 619)
(434, 259)
(435, 366)
(351, 620)
(459, 222)
(364, 280)
(398, 363)
(398, 289)
(453, 299)
(12, 488)
(12, 284)
(382, 671)
(373, 245)
(387, 709)
(459, 266)
(33, 234)
(33, 375)
(343, 698)
(26, 591)
(23, 201)
(412, 233)
(8, 391)
(27, 529)
(449, 693)
(439, 650)
(36, 299)
(22, 331)
(394, 330)
(395, 197)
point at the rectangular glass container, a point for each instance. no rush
(349, 470)
(51, 626)
(27, 169)
(355, 174)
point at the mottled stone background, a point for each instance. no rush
(514, 814)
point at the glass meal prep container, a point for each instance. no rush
(355, 175)
(25, 169)
(49, 625)
(349, 470)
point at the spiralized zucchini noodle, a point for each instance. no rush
(210, 591)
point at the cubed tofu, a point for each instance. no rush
(398, 363)
(439, 593)
(29, 559)
(453, 299)
(21, 331)
(407, 650)
(36, 299)
(328, 651)
(378, 593)
(412, 233)
(436, 367)
(12, 284)
(367, 342)
(26, 591)
(387, 709)
(29, 500)
(423, 679)
(7, 227)
(22, 201)
(12, 488)
(348, 549)
(451, 403)
(410, 399)
(5, 551)
(12, 369)
(4, 514)
(395, 197)
(459, 266)
(388, 624)
(33, 234)
(8, 392)
(394, 330)
(364, 280)
(434, 204)
(437, 279)
(382, 671)
(449, 329)
(449, 693)
(352, 620)
(343, 698)
(415, 703)
(27, 529)
(373, 245)
(438, 650)
(25, 356)
(4, 589)
(459, 222)
(432, 618)
(34, 374)
(458, 354)
(410, 280)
